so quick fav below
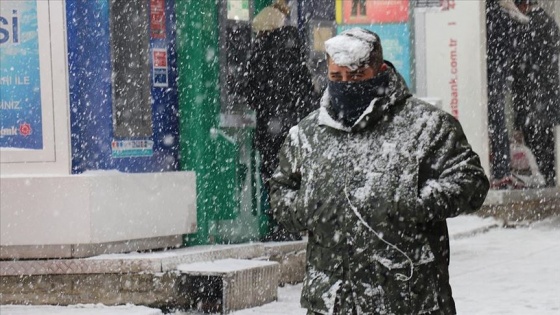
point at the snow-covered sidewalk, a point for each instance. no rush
(494, 270)
(508, 271)
(88, 309)
(503, 271)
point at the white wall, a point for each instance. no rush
(43, 204)
(455, 50)
(557, 10)
(552, 7)
(96, 208)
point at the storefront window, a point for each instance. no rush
(358, 7)
(132, 114)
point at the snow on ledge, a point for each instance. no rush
(223, 266)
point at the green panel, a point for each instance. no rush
(261, 4)
(239, 221)
(227, 156)
(198, 65)
(228, 196)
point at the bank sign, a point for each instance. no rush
(20, 93)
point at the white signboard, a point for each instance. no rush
(238, 10)
(34, 81)
(26, 108)
(455, 66)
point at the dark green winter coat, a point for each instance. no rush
(374, 199)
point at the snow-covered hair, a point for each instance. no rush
(355, 48)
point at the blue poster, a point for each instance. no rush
(20, 86)
(395, 39)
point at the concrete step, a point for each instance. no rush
(226, 285)
(149, 279)
(521, 205)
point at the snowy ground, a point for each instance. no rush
(508, 271)
(497, 271)
(502, 271)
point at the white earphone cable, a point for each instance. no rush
(400, 276)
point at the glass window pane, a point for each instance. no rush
(132, 112)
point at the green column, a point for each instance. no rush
(198, 65)
(261, 4)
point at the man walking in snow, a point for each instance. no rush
(372, 175)
(536, 85)
(502, 22)
(280, 92)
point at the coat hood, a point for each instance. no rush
(270, 18)
(379, 107)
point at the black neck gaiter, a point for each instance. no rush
(349, 100)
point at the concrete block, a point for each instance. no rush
(291, 257)
(515, 206)
(90, 214)
(292, 267)
(154, 290)
(231, 284)
(151, 279)
(210, 253)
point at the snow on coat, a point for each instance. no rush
(374, 199)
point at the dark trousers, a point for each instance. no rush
(540, 139)
(536, 121)
(497, 129)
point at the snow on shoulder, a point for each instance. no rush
(351, 48)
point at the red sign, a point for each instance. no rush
(25, 129)
(157, 19)
(160, 59)
(447, 5)
(375, 11)
(160, 75)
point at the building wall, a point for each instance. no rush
(44, 204)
